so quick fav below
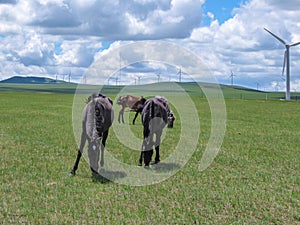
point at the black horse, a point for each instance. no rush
(155, 116)
(97, 118)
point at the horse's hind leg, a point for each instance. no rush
(157, 157)
(147, 149)
(147, 157)
(141, 159)
(157, 143)
(105, 134)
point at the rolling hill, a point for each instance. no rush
(48, 85)
(31, 80)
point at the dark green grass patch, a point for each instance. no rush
(253, 180)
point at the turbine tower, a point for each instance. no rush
(180, 74)
(231, 76)
(139, 79)
(69, 77)
(158, 77)
(286, 63)
(257, 85)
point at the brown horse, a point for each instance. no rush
(97, 117)
(135, 104)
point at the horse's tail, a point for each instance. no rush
(99, 118)
(151, 116)
(152, 112)
(147, 116)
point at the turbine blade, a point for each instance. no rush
(298, 43)
(278, 38)
(284, 63)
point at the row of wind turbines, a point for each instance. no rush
(63, 77)
(286, 67)
(137, 79)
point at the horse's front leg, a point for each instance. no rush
(121, 114)
(147, 150)
(104, 137)
(136, 115)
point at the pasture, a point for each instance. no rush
(255, 178)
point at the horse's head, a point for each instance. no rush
(143, 100)
(121, 100)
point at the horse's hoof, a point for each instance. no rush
(95, 174)
(155, 162)
(72, 173)
(147, 167)
(140, 164)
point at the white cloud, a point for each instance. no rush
(61, 34)
(241, 44)
(295, 86)
(54, 37)
(107, 19)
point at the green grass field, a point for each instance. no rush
(255, 179)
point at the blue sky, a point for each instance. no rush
(222, 10)
(58, 37)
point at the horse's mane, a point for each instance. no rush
(95, 95)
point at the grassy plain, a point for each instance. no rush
(255, 179)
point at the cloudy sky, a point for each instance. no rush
(54, 38)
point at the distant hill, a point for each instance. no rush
(31, 80)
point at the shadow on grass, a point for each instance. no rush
(107, 176)
(165, 167)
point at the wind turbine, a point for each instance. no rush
(257, 85)
(139, 79)
(231, 76)
(276, 86)
(113, 78)
(180, 73)
(158, 77)
(84, 79)
(286, 63)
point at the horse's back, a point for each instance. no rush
(154, 114)
(130, 101)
